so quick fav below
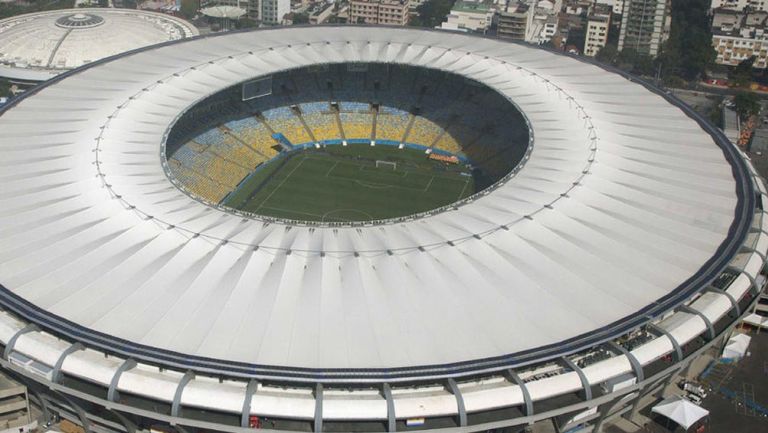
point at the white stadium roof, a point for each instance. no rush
(625, 208)
(40, 45)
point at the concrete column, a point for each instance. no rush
(454, 389)
(246, 413)
(391, 417)
(176, 406)
(318, 408)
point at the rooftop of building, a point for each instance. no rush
(472, 6)
(599, 18)
(743, 24)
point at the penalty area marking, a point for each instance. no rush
(279, 185)
(370, 217)
(462, 190)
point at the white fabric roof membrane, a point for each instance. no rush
(681, 411)
(623, 199)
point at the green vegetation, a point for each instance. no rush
(688, 52)
(246, 23)
(189, 8)
(747, 104)
(741, 75)
(5, 88)
(8, 10)
(301, 18)
(607, 54)
(431, 13)
(627, 59)
(685, 56)
(343, 184)
(715, 112)
(637, 63)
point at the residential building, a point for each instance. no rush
(389, 12)
(577, 7)
(273, 11)
(14, 406)
(415, 4)
(320, 12)
(542, 26)
(737, 36)
(597, 34)
(534, 21)
(645, 25)
(617, 6)
(515, 20)
(739, 5)
(467, 15)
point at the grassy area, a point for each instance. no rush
(344, 184)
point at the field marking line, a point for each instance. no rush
(331, 169)
(373, 186)
(362, 167)
(353, 210)
(431, 179)
(462, 190)
(291, 211)
(278, 186)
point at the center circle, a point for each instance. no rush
(347, 143)
(79, 21)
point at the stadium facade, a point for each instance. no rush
(628, 241)
(35, 47)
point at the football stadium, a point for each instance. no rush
(368, 229)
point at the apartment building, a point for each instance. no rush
(388, 12)
(737, 36)
(645, 25)
(273, 11)
(739, 5)
(474, 16)
(597, 34)
(515, 20)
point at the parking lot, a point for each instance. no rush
(738, 401)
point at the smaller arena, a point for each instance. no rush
(38, 46)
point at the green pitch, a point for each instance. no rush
(343, 184)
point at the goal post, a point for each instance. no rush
(386, 164)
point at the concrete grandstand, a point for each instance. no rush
(628, 237)
(222, 140)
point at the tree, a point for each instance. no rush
(627, 58)
(246, 23)
(431, 13)
(301, 18)
(5, 88)
(741, 75)
(189, 8)
(688, 51)
(630, 60)
(747, 104)
(607, 54)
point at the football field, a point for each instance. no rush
(345, 184)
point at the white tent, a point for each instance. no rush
(736, 347)
(756, 320)
(681, 411)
